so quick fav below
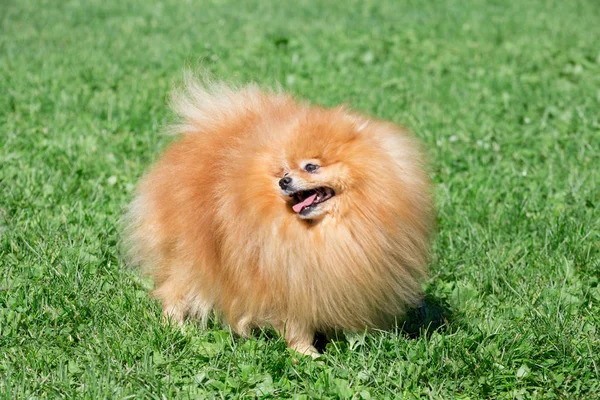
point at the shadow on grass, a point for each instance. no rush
(431, 315)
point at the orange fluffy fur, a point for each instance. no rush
(213, 228)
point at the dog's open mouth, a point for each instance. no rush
(306, 200)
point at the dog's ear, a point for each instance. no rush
(363, 124)
(359, 122)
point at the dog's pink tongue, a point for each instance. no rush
(305, 203)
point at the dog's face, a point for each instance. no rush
(312, 187)
(323, 164)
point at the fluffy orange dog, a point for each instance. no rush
(275, 213)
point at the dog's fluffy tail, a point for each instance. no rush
(204, 105)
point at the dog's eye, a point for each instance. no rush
(311, 168)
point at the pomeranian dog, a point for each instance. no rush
(275, 213)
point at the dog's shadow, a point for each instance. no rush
(431, 315)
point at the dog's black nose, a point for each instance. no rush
(285, 182)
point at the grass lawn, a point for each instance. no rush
(506, 96)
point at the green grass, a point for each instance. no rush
(506, 95)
